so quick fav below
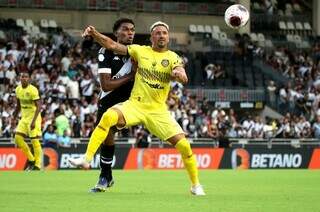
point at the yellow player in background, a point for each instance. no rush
(28, 102)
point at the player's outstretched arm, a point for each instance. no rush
(179, 74)
(105, 41)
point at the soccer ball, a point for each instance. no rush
(236, 16)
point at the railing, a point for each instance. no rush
(122, 5)
(230, 95)
(208, 142)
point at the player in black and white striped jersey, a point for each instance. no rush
(116, 81)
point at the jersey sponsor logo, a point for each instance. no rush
(116, 58)
(101, 57)
(165, 62)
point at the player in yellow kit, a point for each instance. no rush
(28, 102)
(157, 66)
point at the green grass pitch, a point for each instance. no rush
(151, 191)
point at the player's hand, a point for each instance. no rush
(89, 31)
(175, 74)
(32, 125)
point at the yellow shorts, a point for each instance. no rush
(159, 122)
(24, 127)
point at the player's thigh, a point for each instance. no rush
(36, 131)
(22, 128)
(131, 113)
(163, 125)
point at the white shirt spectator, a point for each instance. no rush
(86, 87)
(73, 89)
(65, 62)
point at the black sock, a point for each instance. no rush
(106, 158)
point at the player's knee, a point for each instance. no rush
(35, 142)
(109, 118)
(18, 138)
(183, 146)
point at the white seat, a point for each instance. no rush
(223, 36)
(290, 38)
(288, 13)
(261, 37)
(215, 35)
(256, 6)
(2, 35)
(269, 44)
(280, 13)
(299, 26)
(297, 7)
(44, 23)
(52, 24)
(200, 28)
(20, 22)
(254, 37)
(27, 29)
(307, 26)
(216, 29)
(288, 6)
(29, 23)
(282, 25)
(192, 28)
(207, 29)
(296, 38)
(35, 29)
(305, 44)
(290, 25)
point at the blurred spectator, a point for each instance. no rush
(64, 140)
(50, 138)
(61, 122)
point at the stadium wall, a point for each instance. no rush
(168, 158)
(103, 20)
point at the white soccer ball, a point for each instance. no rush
(236, 16)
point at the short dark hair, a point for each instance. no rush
(120, 21)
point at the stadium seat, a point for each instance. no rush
(53, 24)
(20, 22)
(297, 8)
(253, 37)
(44, 23)
(282, 25)
(290, 27)
(29, 23)
(207, 29)
(280, 13)
(192, 28)
(216, 29)
(297, 38)
(223, 36)
(290, 38)
(2, 35)
(307, 26)
(261, 37)
(288, 13)
(215, 35)
(269, 44)
(35, 29)
(299, 26)
(288, 7)
(200, 29)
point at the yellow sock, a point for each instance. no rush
(23, 146)
(100, 133)
(37, 152)
(189, 160)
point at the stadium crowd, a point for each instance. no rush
(66, 74)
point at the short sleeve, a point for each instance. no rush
(133, 51)
(35, 94)
(177, 61)
(104, 62)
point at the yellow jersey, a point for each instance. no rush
(152, 80)
(27, 96)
